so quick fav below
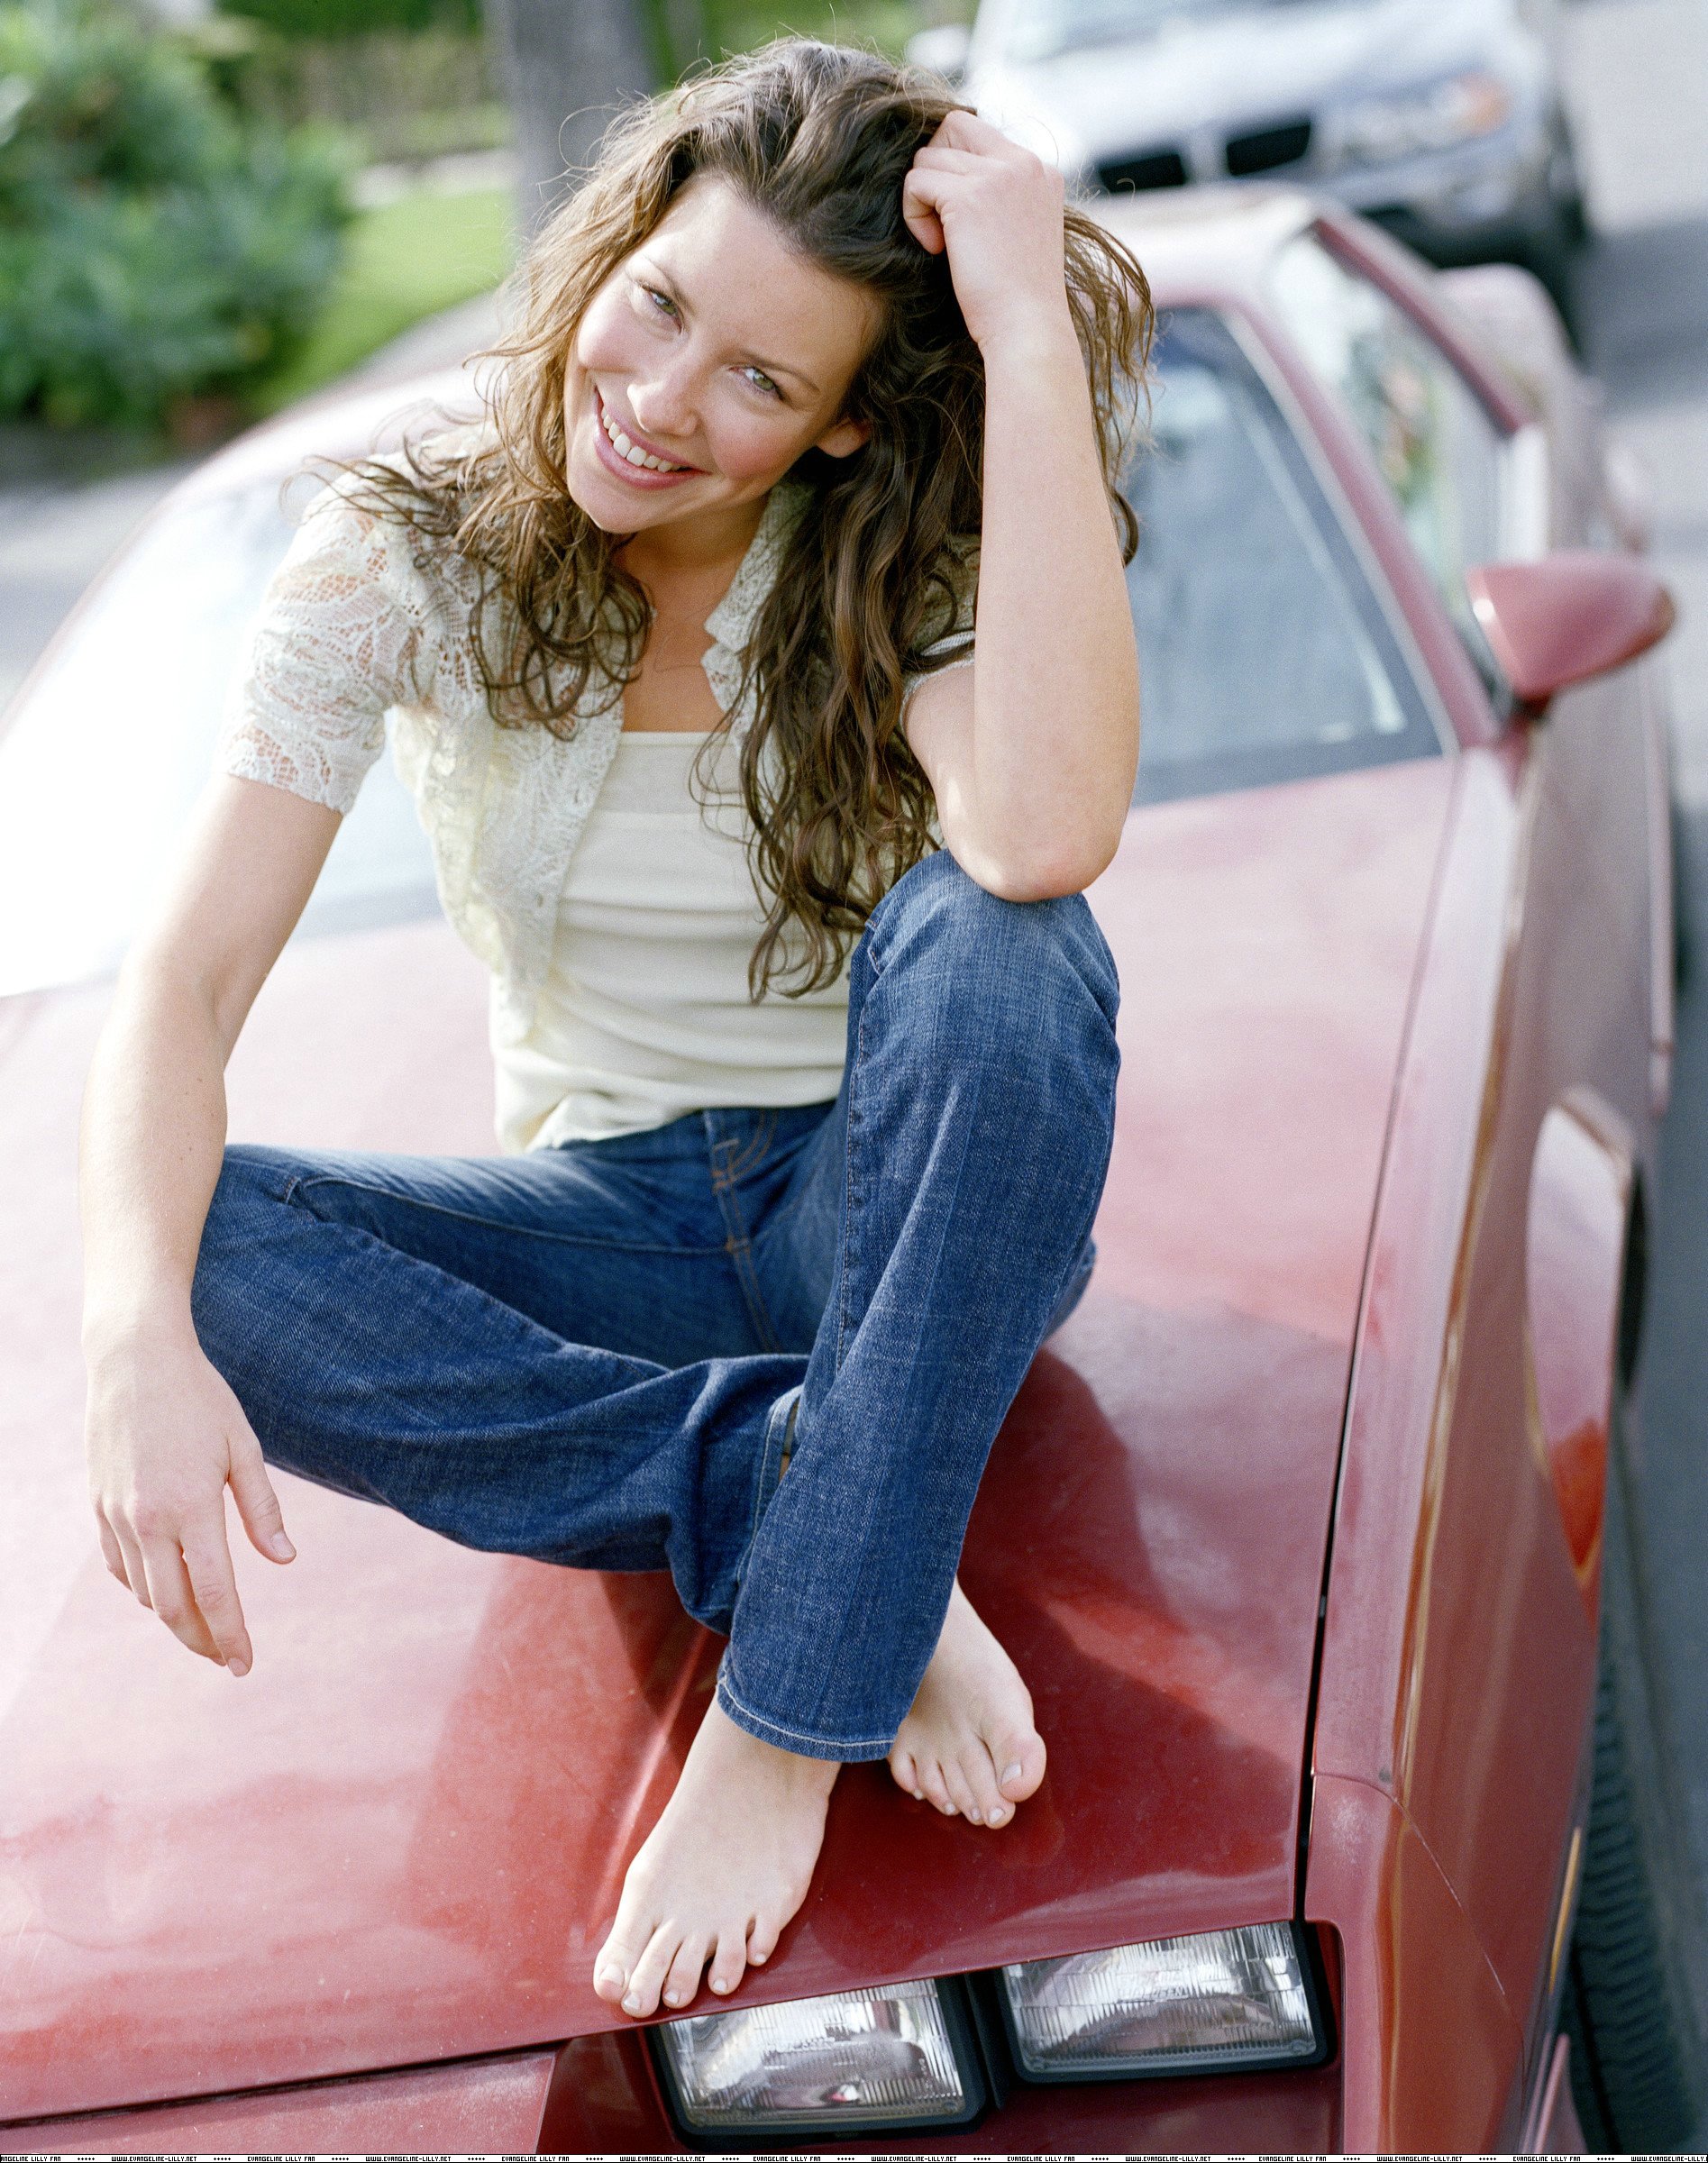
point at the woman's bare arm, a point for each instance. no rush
(165, 1434)
(1031, 752)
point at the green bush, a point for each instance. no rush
(153, 246)
(358, 18)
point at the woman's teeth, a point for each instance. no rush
(633, 451)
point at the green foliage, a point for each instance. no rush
(713, 27)
(358, 18)
(152, 246)
(405, 261)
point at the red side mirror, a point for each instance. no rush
(1567, 617)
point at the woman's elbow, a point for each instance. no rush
(1045, 873)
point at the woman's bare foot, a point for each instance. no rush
(969, 1745)
(720, 1873)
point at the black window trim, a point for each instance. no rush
(1524, 479)
(1236, 318)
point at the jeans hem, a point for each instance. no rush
(792, 1739)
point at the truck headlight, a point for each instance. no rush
(1379, 130)
(1222, 2003)
(901, 2056)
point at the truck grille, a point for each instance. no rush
(1152, 168)
(1267, 149)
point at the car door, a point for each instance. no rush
(1493, 1677)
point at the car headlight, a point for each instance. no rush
(901, 2056)
(1378, 131)
(1223, 2002)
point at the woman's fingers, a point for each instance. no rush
(966, 130)
(111, 1552)
(170, 1597)
(257, 1504)
(918, 210)
(130, 1553)
(207, 1560)
(944, 158)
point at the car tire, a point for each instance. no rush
(1553, 255)
(1682, 918)
(1634, 1997)
(1566, 185)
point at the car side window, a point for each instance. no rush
(1432, 439)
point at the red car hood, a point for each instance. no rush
(402, 1837)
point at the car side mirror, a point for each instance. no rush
(1566, 617)
(943, 50)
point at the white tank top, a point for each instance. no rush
(645, 1013)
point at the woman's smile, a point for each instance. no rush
(625, 453)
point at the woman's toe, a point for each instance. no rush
(961, 1792)
(1019, 1761)
(980, 1775)
(935, 1790)
(762, 1941)
(646, 1979)
(729, 1961)
(684, 1978)
(902, 1773)
(617, 1958)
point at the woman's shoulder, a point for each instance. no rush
(388, 519)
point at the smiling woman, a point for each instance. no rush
(670, 648)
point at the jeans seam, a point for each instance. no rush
(739, 1246)
(855, 1060)
(756, 1149)
(297, 1184)
(739, 1250)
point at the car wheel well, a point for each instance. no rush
(1634, 1284)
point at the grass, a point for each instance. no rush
(733, 25)
(403, 261)
(720, 26)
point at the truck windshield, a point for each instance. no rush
(1039, 30)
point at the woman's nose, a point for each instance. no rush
(663, 405)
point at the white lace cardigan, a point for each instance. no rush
(354, 630)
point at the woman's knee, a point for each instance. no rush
(997, 958)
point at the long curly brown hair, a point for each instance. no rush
(879, 565)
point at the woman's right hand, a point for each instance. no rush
(166, 1436)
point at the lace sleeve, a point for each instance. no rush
(338, 643)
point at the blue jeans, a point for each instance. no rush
(605, 1354)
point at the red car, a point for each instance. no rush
(1304, 1529)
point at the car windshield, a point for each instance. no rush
(1264, 654)
(1039, 30)
(113, 742)
(1265, 658)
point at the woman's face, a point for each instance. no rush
(717, 354)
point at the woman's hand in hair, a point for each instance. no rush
(997, 209)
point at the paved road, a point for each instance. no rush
(1641, 73)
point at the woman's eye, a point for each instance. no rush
(662, 301)
(762, 381)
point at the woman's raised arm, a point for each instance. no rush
(1032, 761)
(165, 1435)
